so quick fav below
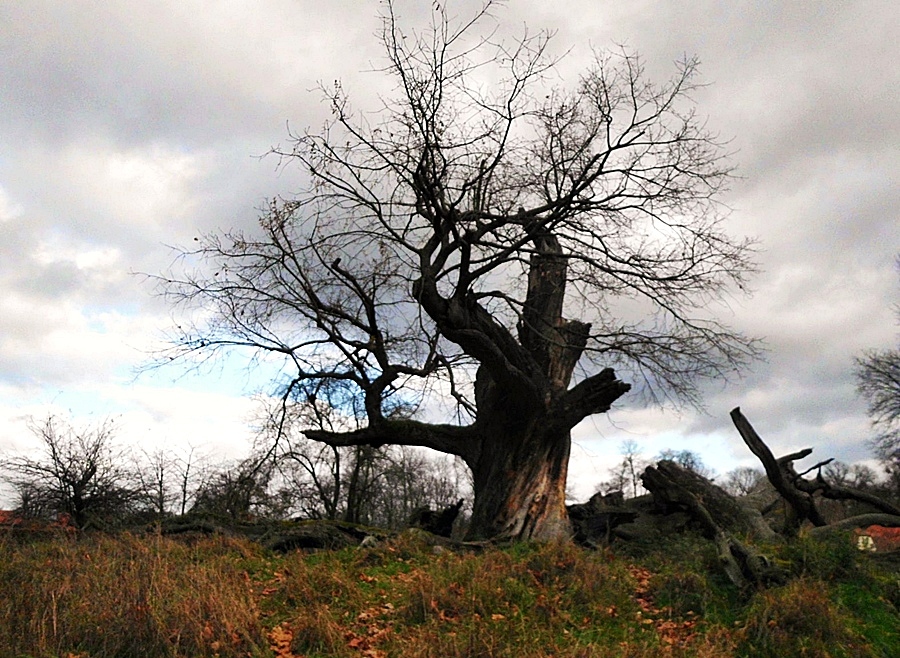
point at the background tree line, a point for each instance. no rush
(83, 473)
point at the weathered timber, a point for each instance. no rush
(675, 488)
(859, 521)
(799, 492)
(718, 515)
(313, 536)
(781, 474)
(593, 522)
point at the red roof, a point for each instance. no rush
(885, 539)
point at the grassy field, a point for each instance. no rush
(122, 596)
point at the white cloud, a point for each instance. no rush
(175, 417)
(9, 210)
(147, 418)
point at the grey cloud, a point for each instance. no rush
(173, 71)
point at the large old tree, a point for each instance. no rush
(490, 247)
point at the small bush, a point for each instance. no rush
(832, 557)
(798, 619)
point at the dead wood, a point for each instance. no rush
(859, 521)
(675, 488)
(837, 492)
(719, 516)
(797, 491)
(782, 475)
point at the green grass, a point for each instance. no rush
(119, 596)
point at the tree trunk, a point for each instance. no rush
(359, 481)
(520, 485)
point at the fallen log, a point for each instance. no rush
(859, 521)
(593, 522)
(674, 487)
(719, 516)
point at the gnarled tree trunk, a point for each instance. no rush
(520, 485)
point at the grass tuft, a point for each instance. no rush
(799, 619)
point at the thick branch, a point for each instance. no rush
(781, 474)
(860, 521)
(465, 322)
(450, 439)
(593, 395)
(797, 490)
(837, 492)
(542, 311)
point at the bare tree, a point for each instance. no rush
(77, 472)
(190, 476)
(742, 480)
(359, 484)
(687, 459)
(626, 475)
(153, 473)
(878, 381)
(238, 493)
(446, 240)
(411, 481)
(313, 470)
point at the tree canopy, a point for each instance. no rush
(486, 238)
(878, 381)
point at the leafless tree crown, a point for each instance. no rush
(461, 222)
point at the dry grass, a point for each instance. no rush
(126, 596)
(120, 596)
(799, 619)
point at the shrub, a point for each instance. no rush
(798, 619)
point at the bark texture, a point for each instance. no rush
(676, 488)
(719, 516)
(520, 482)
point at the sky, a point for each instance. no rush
(128, 127)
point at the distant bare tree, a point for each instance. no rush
(78, 472)
(239, 492)
(858, 476)
(413, 480)
(358, 484)
(626, 475)
(154, 473)
(878, 381)
(689, 460)
(186, 472)
(742, 480)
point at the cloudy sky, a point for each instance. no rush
(128, 126)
